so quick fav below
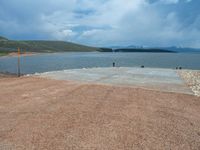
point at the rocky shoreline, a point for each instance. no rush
(192, 79)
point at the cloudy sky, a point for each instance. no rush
(103, 22)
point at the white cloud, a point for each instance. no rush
(188, 1)
(90, 33)
(169, 1)
(173, 1)
(101, 22)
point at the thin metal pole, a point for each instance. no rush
(18, 66)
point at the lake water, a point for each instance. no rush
(60, 61)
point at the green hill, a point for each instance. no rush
(7, 46)
(3, 38)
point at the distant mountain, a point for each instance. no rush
(183, 49)
(116, 47)
(140, 50)
(43, 46)
(133, 48)
(124, 47)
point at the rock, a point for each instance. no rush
(192, 79)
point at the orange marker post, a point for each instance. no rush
(18, 66)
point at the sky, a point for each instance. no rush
(103, 22)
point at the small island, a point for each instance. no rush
(139, 50)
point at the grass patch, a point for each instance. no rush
(3, 53)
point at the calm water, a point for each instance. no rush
(60, 61)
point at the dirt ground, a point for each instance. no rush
(41, 114)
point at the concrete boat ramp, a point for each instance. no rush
(166, 80)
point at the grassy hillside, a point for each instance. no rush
(3, 38)
(42, 46)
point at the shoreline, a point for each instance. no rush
(15, 54)
(7, 75)
(190, 78)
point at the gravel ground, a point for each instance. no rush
(7, 75)
(44, 114)
(192, 79)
